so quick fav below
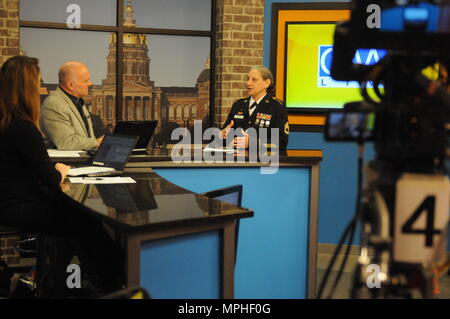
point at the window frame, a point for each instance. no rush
(119, 29)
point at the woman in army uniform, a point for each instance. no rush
(259, 110)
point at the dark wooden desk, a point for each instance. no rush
(299, 168)
(136, 212)
(155, 158)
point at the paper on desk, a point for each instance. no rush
(102, 180)
(223, 150)
(59, 153)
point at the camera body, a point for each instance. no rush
(407, 123)
(401, 25)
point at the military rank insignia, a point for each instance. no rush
(279, 101)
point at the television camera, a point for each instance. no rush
(403, 207)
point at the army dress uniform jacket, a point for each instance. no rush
(269, 113)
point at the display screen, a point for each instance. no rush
(309, 85)
(349, 126)
(114, 151)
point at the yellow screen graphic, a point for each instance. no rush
(302, 69)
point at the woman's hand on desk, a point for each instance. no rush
(63, 169)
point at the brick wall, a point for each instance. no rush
(9, 29)
(8, 252)
(239, 45)
(9, 46)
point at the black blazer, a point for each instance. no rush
(26, 170)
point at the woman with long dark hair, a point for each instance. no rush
(30, 195)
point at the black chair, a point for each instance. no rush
(50, 262)
(11, 270)
(232, 195)
(26, 245)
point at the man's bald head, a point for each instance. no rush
(74, 78)
(69, 71)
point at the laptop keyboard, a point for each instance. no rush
(89, 170)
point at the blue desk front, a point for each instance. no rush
(277, 247)
(273, 252)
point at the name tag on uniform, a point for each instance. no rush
(238, 116)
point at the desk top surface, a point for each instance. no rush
(195, 154)
(152, 203)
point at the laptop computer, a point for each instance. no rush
(143, 129)
(111, 157)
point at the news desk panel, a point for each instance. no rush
(180, 244)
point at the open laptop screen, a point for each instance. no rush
(143, 129)
(114, 151)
